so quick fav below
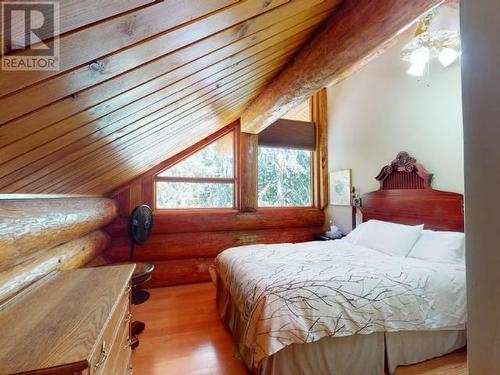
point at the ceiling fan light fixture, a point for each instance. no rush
(420, 56)
(417, 70)
(447, 56)
(419, 59)
(437, 37)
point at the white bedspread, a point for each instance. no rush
(299, 293)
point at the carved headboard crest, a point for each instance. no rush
(405, 196)
(404, 173)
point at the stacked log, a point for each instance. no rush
(185, 243)
(45, 235)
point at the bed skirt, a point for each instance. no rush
(371, 354)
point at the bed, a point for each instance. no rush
(360, 305)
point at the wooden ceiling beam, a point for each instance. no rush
(351, 37)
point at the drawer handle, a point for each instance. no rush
(128, 344)
(103, 357)
(128, 318)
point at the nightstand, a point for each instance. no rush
(324, 237)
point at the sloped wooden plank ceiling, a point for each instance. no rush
(79, 13)
(139, 82)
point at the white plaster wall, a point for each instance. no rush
(380, 110)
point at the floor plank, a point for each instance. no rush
(184, 336)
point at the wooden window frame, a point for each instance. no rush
(197, 147)
(319, 117)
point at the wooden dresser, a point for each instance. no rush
(72, 322)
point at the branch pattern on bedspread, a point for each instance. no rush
(300, 293)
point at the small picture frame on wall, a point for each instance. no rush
(340, 187)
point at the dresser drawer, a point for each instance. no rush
(88, 312)
(123, 363)
(128, 370)
(113, 332)
(117, 361)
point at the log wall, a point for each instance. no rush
(39, 236)
(184, 244)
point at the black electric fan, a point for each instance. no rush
(140, 228)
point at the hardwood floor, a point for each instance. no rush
(184, 336)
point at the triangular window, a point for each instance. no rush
(204, 179)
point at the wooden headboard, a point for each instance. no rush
(406, 196)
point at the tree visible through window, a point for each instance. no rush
(285, 170)
(284, 177)
(203, 180)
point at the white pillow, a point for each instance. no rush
(389, 238)
(442, 247)
(354, 235)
